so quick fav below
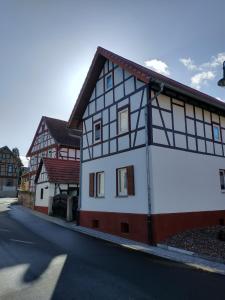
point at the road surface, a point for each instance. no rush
(41, 260)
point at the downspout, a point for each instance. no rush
(149, 161)
(80, 183)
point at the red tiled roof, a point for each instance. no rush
(60, 171)
(144, 74)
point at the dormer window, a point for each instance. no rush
(109, 82)
(216, 133)
(97, 131)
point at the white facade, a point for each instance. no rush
(111, 202)
(185, 181)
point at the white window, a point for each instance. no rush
(109, 82)
(222, 180)
(216, 132)
(122, 182)
(97, 131)
(100, 184)
(123, 121)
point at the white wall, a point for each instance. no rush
(185, 181)
(112, 203)
(49, 192)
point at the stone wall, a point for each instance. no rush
(26, 198)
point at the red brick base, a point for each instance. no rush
(163, 225)
(166, 225)
(111, 223)
(41, 209)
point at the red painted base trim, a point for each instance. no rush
(111, 223)
(41, 209)
(166, 225)
(163, 225)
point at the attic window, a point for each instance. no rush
(109, 82)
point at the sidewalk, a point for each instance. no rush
(181, 256)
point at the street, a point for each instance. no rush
(41, 260)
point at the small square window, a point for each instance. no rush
(216, 132)
(97, 131)
(122, 182)
(109, 83)
(123, 121)
(100, 184)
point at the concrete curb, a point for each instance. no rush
(163, 251)
(179, 250)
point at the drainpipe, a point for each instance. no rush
(148, 162)
(80, 183)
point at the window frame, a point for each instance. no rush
(119, 112)
(96, 122)
(222, 172)
(10, 169)
(118, 172)
(217, 126)
(98, 194)
(106, 82)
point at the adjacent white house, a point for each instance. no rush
(55, 176)
(152, 157)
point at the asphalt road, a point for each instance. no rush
(41, 260)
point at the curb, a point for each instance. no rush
(163, 251)
(179, 250)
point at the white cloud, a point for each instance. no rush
(214, 62)
(24, 160)
(201, 78)
(158, 66)
(188, 63)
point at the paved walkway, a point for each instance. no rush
(191, 260)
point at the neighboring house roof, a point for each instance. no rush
(60, 171)
(60, 133)
(144, 74)
(6, 149)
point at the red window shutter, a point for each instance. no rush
(130, 181)
(91, 184)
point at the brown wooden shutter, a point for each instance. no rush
(130, 181)
(91, 184)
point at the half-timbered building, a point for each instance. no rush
(152, 157)
(52, 139)
(10, 165)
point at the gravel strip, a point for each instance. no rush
(203, 241)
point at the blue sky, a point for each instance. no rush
(47, 47)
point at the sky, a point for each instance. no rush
(47, 46)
